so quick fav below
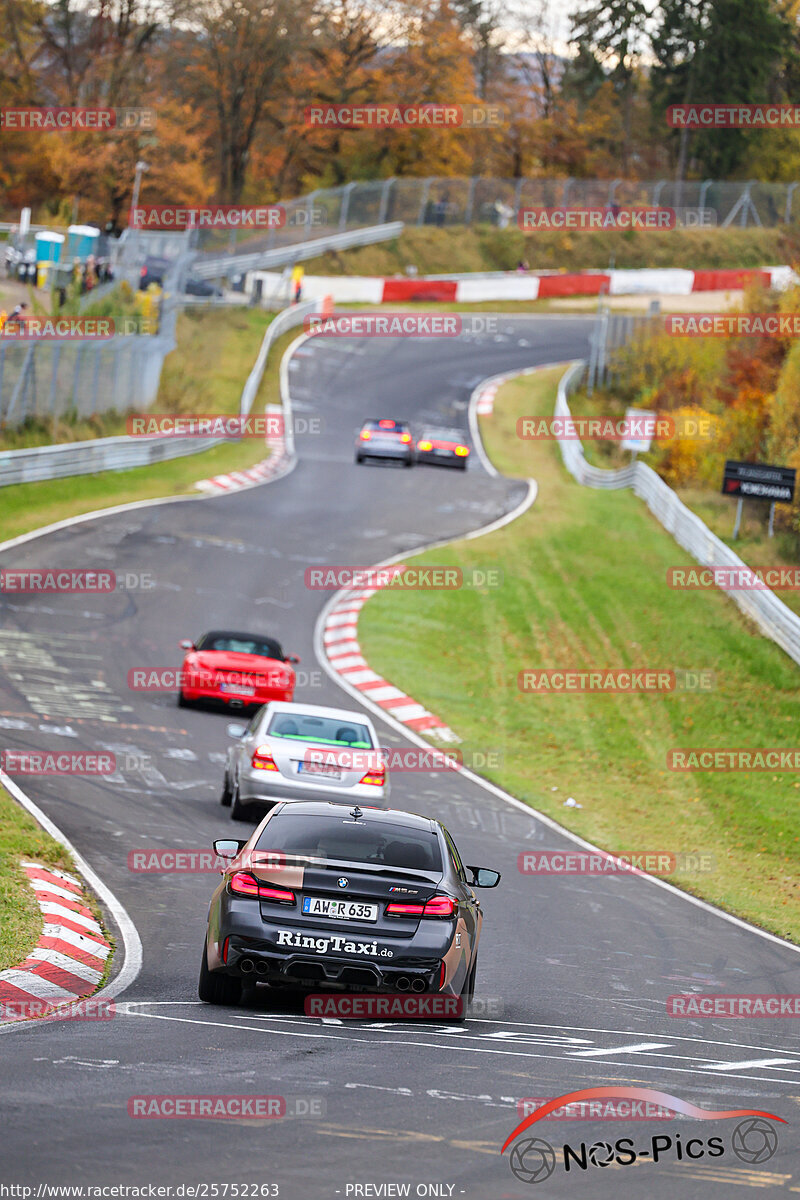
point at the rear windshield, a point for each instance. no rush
(385, 425)
(327, 731)
(241, 643)
(345, 839)
(444, 435)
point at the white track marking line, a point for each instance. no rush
(753, 1062)
(702, 1041)
(636, 1048)
(454, 1045)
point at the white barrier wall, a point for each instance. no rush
(512, 287)
(763, 607)
(345, 289)
(670, 282)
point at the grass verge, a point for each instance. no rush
(28, 506)
(486, 248)
(754, 545)
(584, 586)
(20, 915)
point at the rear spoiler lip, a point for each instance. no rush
(434, 878)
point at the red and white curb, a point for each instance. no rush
(341, 648)
(263, 471)
(69, 959)
(513, 285)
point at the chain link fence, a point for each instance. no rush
(455, 200)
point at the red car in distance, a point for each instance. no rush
(236, 670)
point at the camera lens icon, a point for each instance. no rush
(533, 1160)
(754, 1140)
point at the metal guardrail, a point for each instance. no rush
(123, 453)
(763, 607)
(215, 267)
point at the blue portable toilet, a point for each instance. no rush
(48, 247)
(82, 241)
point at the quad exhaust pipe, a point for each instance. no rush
(262, 968)
(403, 983)
(418, 985)
(247, 966)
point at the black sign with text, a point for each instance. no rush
(756, 481)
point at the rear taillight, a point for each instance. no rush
(442, 973)
(424, 445)
(365, 435)
(243, 884)
(143, 272)
(262, 760)
(224, 955)
(386, 424)
(376, 778)
(462, 451)
(275, 894)
(437, 906)
(405, 910)
(406, 437)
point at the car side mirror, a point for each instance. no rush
(186, 644)
(227, 848)
(483, 877)
(292, 658)
(236, 730)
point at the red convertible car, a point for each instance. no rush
(235, 669)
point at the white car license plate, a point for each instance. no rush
(236, 689)
(315, 768)
(340, 910)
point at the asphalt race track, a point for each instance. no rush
(573, 974)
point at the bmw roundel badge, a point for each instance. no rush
(342, 882)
